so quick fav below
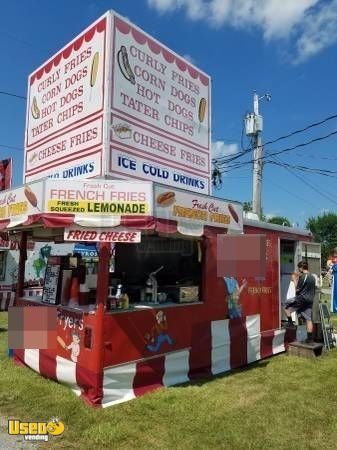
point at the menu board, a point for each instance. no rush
(51, 283)
(160, 113)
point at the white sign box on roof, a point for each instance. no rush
(116, 102)
(66, 104)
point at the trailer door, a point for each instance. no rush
(310, 252)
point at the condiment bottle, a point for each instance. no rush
(119, 302)
(148, 290)
(111, 300)
(126, 301)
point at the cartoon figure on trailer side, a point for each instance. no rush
(234, 291)
(158, 334)
(74, 346)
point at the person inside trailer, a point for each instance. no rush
(303, 301)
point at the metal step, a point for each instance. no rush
(305, 350)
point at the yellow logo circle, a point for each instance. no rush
(55, 428)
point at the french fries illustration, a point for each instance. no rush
(94, 69)
(35, 109)
(33, 157)
(124, 65)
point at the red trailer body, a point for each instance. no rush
(121, 354)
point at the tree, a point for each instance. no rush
(247, 207)
(280, 220)
(324, 230)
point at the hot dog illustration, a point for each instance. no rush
(233, 213)
(30, 196)
(124, 65)
(94, 69)
(35, 109)
(166, 199)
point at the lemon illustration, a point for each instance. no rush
(55, 428)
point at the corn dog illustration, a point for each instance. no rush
(233, 213)
(31, 197)
(124, 65)
(201, 111)
(94, 69)
(35, 109)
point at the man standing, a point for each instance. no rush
(302, 304)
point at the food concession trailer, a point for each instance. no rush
(177, 323)
(153, 311)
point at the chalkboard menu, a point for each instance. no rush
(52, 281)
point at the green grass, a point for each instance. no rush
(283, 402)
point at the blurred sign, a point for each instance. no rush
(5, 174)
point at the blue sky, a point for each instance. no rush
(287, 48)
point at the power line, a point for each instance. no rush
(269, 155)
(315, 188)
(310, 155)
(293, 194)
(301, 130)
(304, 144)
(293, 133)
(12, 95)
(325, 172)
(12, 147)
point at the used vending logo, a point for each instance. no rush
(35, 431)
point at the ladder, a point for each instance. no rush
(327, 327)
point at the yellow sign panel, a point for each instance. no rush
(197, 214)
(14, 209)
(85, 207)
(259, 290)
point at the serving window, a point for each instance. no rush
(180, 267)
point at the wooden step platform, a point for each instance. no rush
(305, 350)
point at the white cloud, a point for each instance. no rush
(220, 149)
(189, 58)
(319, 31)
(195, 9)
(163, 6)
(311, 23)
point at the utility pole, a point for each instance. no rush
(254, 127)
(257, 164)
